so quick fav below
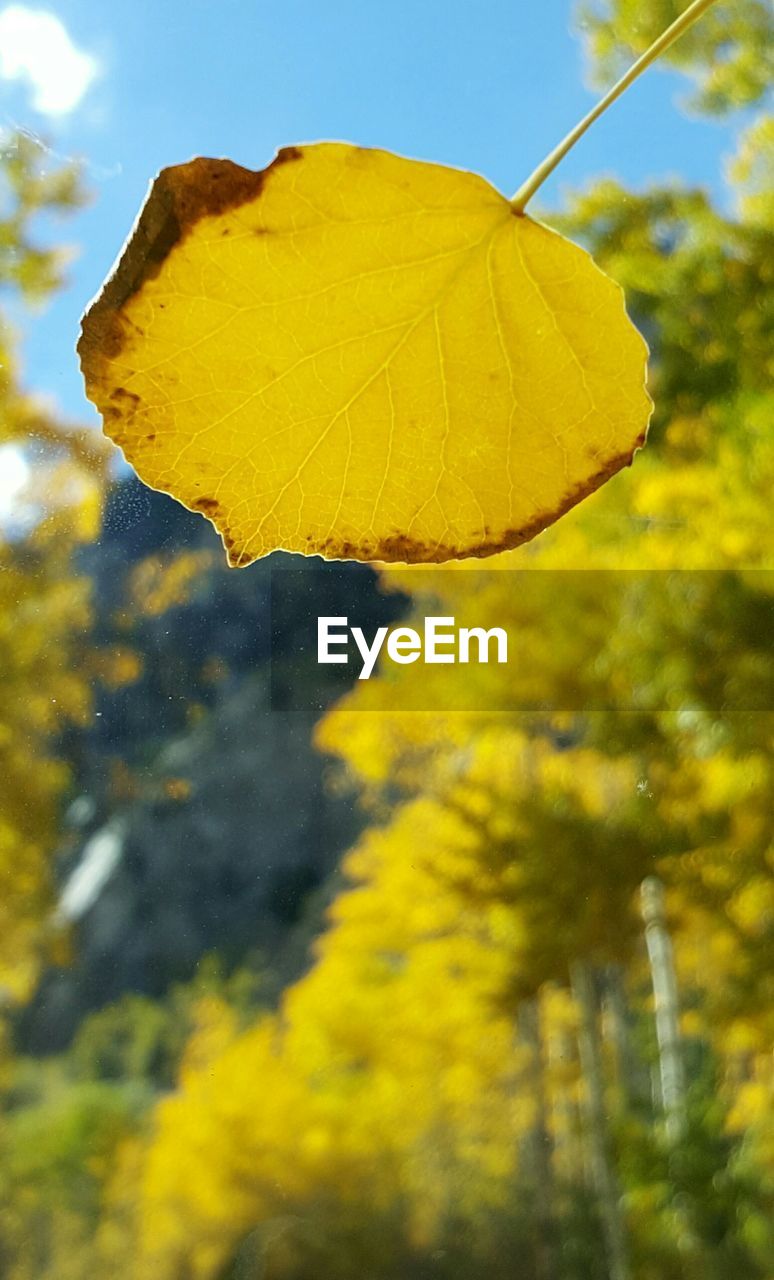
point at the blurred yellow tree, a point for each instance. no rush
(42, 605)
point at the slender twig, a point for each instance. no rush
(527, 190)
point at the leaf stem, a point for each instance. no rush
(686, 19)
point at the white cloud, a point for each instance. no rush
(35, 46)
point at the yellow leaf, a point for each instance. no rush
(361, 356)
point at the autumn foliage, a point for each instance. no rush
(534, 1035)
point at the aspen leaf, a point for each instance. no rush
(361, 356)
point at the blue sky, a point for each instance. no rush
(490, 87)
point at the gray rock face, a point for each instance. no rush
(223, 827)
(234, 828)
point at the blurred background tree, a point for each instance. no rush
(729, 57)
(44, 606)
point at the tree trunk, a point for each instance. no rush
(605, 1178)
(662, 970)
(617, 1022)
(569, 1155)
(538, 1144)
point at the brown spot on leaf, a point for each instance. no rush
(399, 548)
(111, 335)
(126, 398)
(240, 560)
(179, 198)
(207, 505)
